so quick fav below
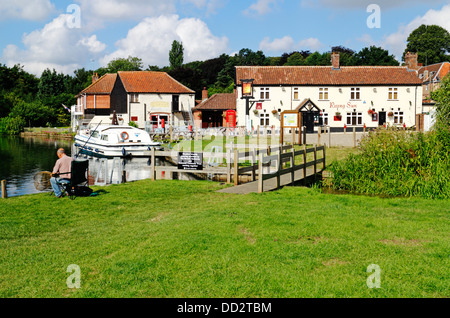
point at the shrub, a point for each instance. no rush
(397, 163)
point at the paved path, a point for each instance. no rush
(269, 185)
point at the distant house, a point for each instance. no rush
(431, 77)
(140, 97)
(211, 112)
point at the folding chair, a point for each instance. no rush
(79, 178)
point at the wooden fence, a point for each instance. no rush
(276, 161)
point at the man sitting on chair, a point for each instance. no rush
(61, 172)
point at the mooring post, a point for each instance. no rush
(4, 191)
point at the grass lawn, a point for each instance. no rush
(183, 239)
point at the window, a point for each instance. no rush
(134, 98)
(355, 93)
(398, 117)
(354, 119)
(323, 93)
(324, 117)
(296, 95)
(393, 94)
(264, 93)
(264, 119)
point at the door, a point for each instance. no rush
(308, 121)
(175, 103)
(381, 118)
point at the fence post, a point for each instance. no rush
(236, 167)
(304, 164)
(324, 158)
(315, 163)
(260, 173)
(257, 138)
(354, 137)
(152, 167)
(229, 166)
(4, 191)
(329, 137)
(293, 166)
(319, 135)
(304, 135)
(253, 153)
(280, 167)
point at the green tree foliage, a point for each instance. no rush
(176, 55)
(295, 59)
(371, 56)
(122, 64)
(442, 98)
(431, 42)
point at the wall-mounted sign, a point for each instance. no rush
(259, 106)
(190, 161)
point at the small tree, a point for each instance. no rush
(442, 98)
(176, 55)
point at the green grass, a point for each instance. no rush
(183, 239)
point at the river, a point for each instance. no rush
(22, 158)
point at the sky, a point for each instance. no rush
(67, 35)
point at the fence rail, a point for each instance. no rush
(276, 161)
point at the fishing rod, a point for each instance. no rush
(76, 156)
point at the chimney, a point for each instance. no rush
(94, 78)
(204, 94)
(335, 64)
(411, 60)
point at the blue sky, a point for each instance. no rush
(67, 35)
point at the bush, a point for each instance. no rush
(397, 163)
(133, 124)
(12, 125)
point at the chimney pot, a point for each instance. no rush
(204, 94)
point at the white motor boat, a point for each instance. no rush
(115, 141)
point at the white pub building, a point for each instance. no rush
(335, 96)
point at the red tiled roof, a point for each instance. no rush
(218, 102)
(104, 85)
(439, 71)
(152, 82)
(326, 76)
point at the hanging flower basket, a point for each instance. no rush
(255, 111)
(274, 111)
(371, 112)
(390, 114)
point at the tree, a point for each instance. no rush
(51, 83)
(295, 59)
(372, 56)
(442, 98)
(431, 43)
(122, 64)
(176, 55)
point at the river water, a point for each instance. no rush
(22, 158)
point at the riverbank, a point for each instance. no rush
(53, 133)
(184, 239)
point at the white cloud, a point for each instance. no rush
(287, 44)
(33, 10)
(396, 42)
(152, 38)
(283, 44)
(55, 46)
(261, 7)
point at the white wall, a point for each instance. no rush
(409, 102)
(157, 103)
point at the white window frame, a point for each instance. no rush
(358, 116)
(323, 93)
(134, 98)
(296, 92)
(264, 119)
(325, 118)
(399, 117)
(264, 93)
(355, 93)
(393, 93)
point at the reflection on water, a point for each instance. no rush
(22, 158)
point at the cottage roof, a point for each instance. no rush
(152, 82)
(103, 86)
(218, 102)
(435, 71)
(326, 76)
